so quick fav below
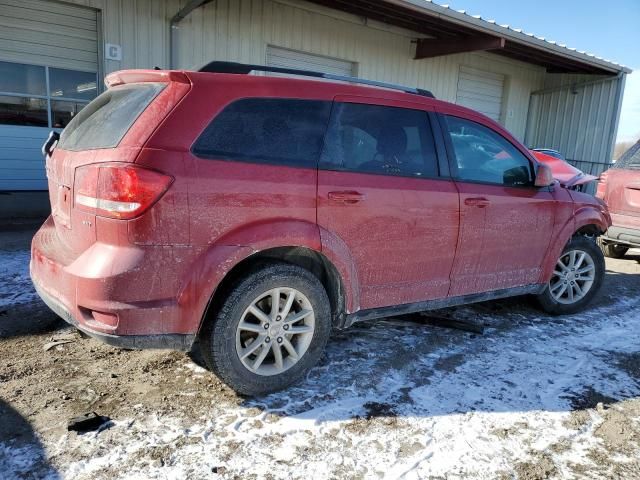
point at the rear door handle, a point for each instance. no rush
(348, 197)
(479, 202)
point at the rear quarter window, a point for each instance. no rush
(267, 130)
(105, 121)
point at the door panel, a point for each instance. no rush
(379, 191)
(623, 194)
(506, 223)
(503, 238)
(402, 233)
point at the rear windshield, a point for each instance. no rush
(104, 122)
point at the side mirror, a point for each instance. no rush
(544, 177)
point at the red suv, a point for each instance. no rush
(256, 213)
(620, 188)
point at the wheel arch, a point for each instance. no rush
(587, 222)
(311, 260)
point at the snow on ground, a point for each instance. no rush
(467, 408)
(392, 399)
(15, 286)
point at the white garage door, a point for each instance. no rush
(482, 91)
(48, 72)
(285, 58)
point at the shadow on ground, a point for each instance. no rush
(27, 319)
(22, 455)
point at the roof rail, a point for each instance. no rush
(243, 68)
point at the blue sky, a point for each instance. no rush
(609, 29)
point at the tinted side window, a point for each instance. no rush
(483, 155)
(377, 139)
(267, 130)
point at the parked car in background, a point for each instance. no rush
(551, 152)
(569, 176)
(619, 187)
(256, 213)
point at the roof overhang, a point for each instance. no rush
(450, 31)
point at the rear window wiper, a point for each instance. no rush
(50, 144)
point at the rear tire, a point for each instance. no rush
(612, 250)
(241, 344)
(577, 277)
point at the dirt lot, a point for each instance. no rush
(533, 397)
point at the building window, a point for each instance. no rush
(41, 96)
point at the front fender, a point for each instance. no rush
(583, 215)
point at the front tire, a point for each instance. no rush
(576, 279)
(270, 330)
(612, 250)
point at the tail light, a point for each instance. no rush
(118, 190)
(601, 190)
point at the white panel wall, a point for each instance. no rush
(240, 30)
(285, 58)
(482, 91)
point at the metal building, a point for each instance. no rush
(53, 56)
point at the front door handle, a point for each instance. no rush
(348, 197)
(479, 202)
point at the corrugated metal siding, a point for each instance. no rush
(576, 115)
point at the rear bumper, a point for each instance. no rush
(623, 235)
(182, 342)
(127, 295)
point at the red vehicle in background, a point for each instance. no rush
(619, 187)
(567, 175)
(255, 214)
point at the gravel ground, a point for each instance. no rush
(533, 397)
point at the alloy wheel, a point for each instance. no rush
(573, 277)
(275, 331)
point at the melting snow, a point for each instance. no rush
(391, 399)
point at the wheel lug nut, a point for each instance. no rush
(266, 326)
(278, 318)
(279, 339)
(267, 339)
(286, 327)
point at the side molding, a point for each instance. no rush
(441, 303)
